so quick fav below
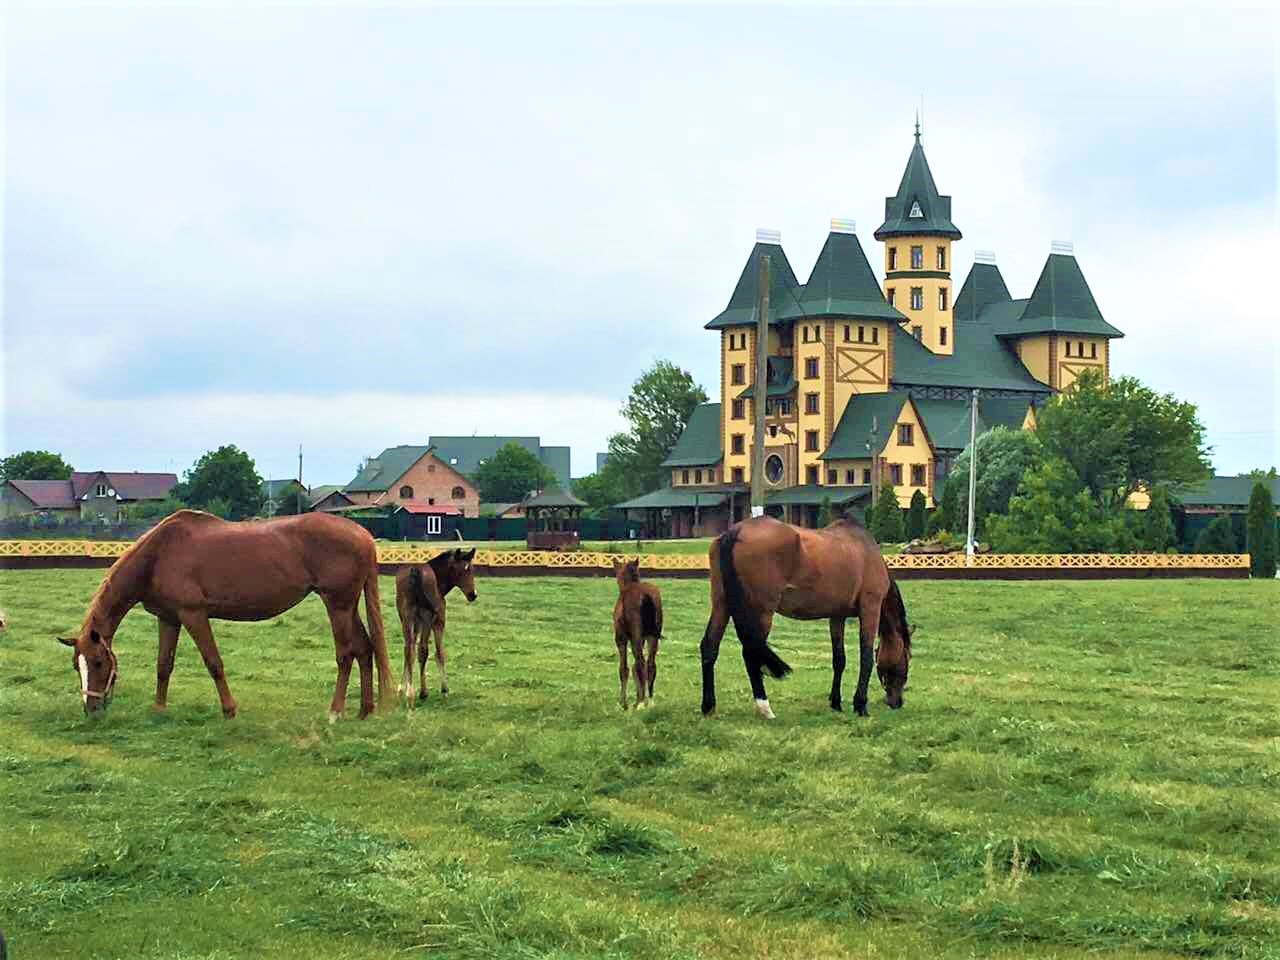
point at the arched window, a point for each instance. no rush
(459, 493)
(406, 493)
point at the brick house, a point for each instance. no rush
(91, 495)
(413, 475)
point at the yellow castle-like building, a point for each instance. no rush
(868, 381)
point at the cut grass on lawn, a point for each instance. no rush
(1081, 770)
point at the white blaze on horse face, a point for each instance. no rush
(763, 708)
(83, 666)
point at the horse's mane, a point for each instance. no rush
(122, 561)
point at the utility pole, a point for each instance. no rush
(762, 388)
(973, 476)
(300, 487)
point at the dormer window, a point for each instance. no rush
(916, 213)
(100, 490)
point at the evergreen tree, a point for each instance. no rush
(916, 516)
(825, 516)
(1262, 532)
(886, 517)
(1217, 537)
(935, 524)
(1158, 532)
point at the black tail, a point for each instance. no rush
(744, 619)
(419, 593)
(650, 620)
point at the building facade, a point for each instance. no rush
(414, 476)
(870, 385)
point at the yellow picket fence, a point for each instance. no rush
(542, 561)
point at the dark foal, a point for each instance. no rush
(420, 601)
(637, 622)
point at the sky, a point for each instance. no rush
(348, 228)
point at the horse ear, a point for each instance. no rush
(471, 554)
(66, 641)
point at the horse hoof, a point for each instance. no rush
(861, 711)
(444, 691)
(837, 706)
(422, 694)
(765, 711)
(708, 711)
(334, 717)
(159, 707)
(229, 713)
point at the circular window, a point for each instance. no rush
(773, 468)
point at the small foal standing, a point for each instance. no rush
(637, 617)
(420, 593)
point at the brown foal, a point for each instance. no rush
(420, 601)
(637, 622)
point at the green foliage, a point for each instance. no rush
(1217, 537)
(34, 465)
(935, 524)
(659, 406)
(825, 514)
(153, 509)
(290, 501)
(1158, 532)
(916, 516)
(1262, 531)
(996, 815)
(1270, 473)
(224, 482)
(886, 517)
(1053, 512)
(512, 474)
(1122, 436)
(600, 489)
(1004, 457)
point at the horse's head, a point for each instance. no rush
(461, 573)
(893, 660)
(94, 662)
(626, 571)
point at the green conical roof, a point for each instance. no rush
(843, 284)
(917, 208)
(982, 287)
(784, 290)
(1061, 303)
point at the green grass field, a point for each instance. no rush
(1081, 770)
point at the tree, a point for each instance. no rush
(1261, 529)
(1053, 512)
(886, 517)
(153, 509)
(1004, 457)
(658, 409)
(225, 479)
(34, 465)
(1121, 436)
(1217, 537)
(825, 515)
(1157, 527)
(511, 474)
(936, 524)
(916, 516)
(599, 490)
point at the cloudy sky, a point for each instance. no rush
(348, 229)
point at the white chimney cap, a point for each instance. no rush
(984, 256)
(1062, 246)
(768, 236)
(841, 225)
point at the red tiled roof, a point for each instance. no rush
(128, 486)
(417, 506)
(46, 494)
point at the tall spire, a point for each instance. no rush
(917, 126)
(917, 209)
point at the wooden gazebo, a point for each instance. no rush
(554, 520)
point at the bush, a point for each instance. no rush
(1004, 457)
(1262, 532)
(886, 517)
(1217, 537)
(916, 516)
(1053, 512)
(935, 524)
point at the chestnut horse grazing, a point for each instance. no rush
(637, 618)
(761, 566)
(192, 568)
(420, 593)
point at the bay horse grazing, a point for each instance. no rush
(761, 566)
(193, 567)
(420, 601)
(637, 622)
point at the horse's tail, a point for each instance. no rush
(893, 615)
(373, 606)
(744, 619)
(418, 591)
(650, 617)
